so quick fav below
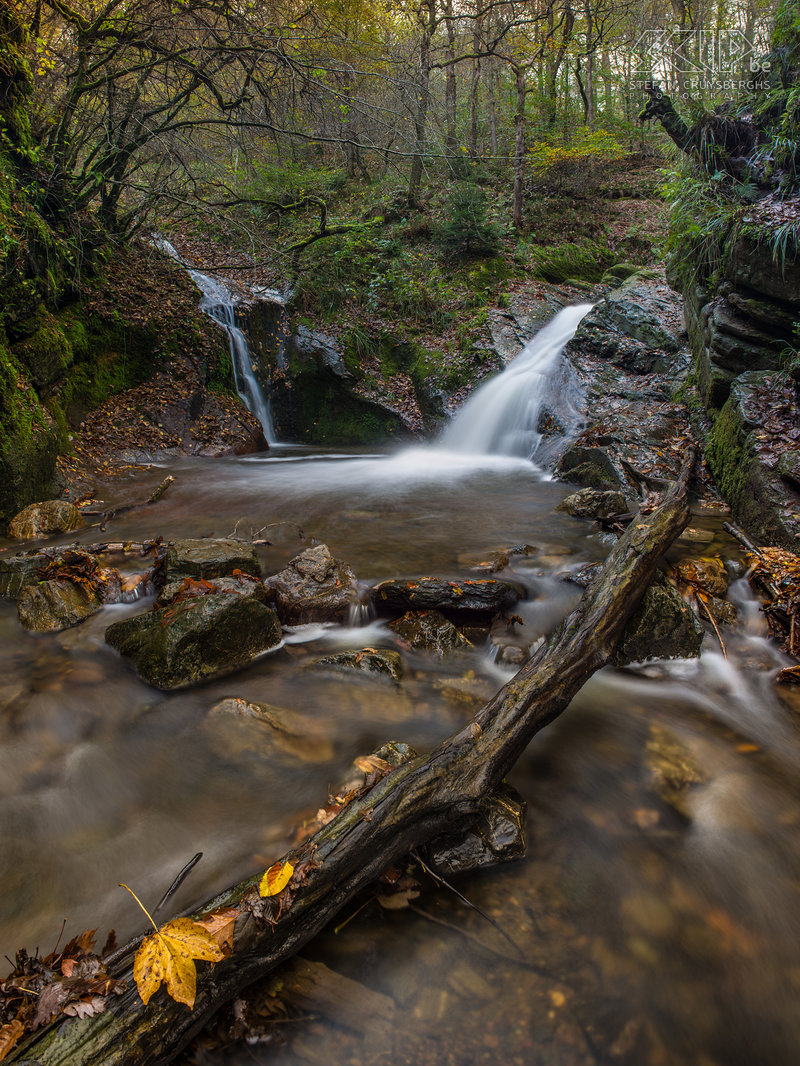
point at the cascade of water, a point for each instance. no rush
(502, 416)
(218, 304)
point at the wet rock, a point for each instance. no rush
(481, 596)
(628, 328)
(281, 732)
(590, 467)
(467, 692)
(497, 835)
(241, 585)
(368, 660)
(429, 631)
(72, 587)
(593, 503)
(672, 768)
(765, 501)
(662, 627)
(706, 572)
(45, 519)
(20, 570)
(583, 576)
(197, 639)
(54, 605)
(314, 587)
(211, 558)
(788, 467)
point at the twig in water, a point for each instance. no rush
(520, 960)
(176, 884)
(701, 603)
(440, 880)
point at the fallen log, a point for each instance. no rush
(412, 804)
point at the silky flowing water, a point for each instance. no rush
(644, 938)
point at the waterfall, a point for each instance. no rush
(502, 416)
(218, 304)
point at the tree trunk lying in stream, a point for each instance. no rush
(417, 801)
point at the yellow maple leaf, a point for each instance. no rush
(168, 957)
(276, 879)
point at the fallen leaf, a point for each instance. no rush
(220, 924)
(86, 1008)
(9, 1036)
(168, 957)
(276, 879)
(371, 763)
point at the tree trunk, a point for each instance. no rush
(519, 145)
(421, 115)
(412, 804)
(450, 84)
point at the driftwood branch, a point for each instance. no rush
(154, 497)
(417, 801)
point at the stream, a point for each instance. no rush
(638, 935)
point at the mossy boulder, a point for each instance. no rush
(197, 639)
(593, 503)
(49, 606)
(429, 631)
(314, 587)
(590, 467)
(73, 586)
(662, 627)
(46, 519)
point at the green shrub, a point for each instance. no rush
(587, 261)
(466, 226)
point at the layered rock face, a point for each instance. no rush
(741, 326)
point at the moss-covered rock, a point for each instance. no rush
(662, 627)
(46, 352)
(766, 503)
(590, 467)
(49, 606)
(197, 639)
(45, 519)
(593, 503)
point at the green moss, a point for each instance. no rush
(729, 456)
(328, 414)
(29, 439)
(47, 352)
